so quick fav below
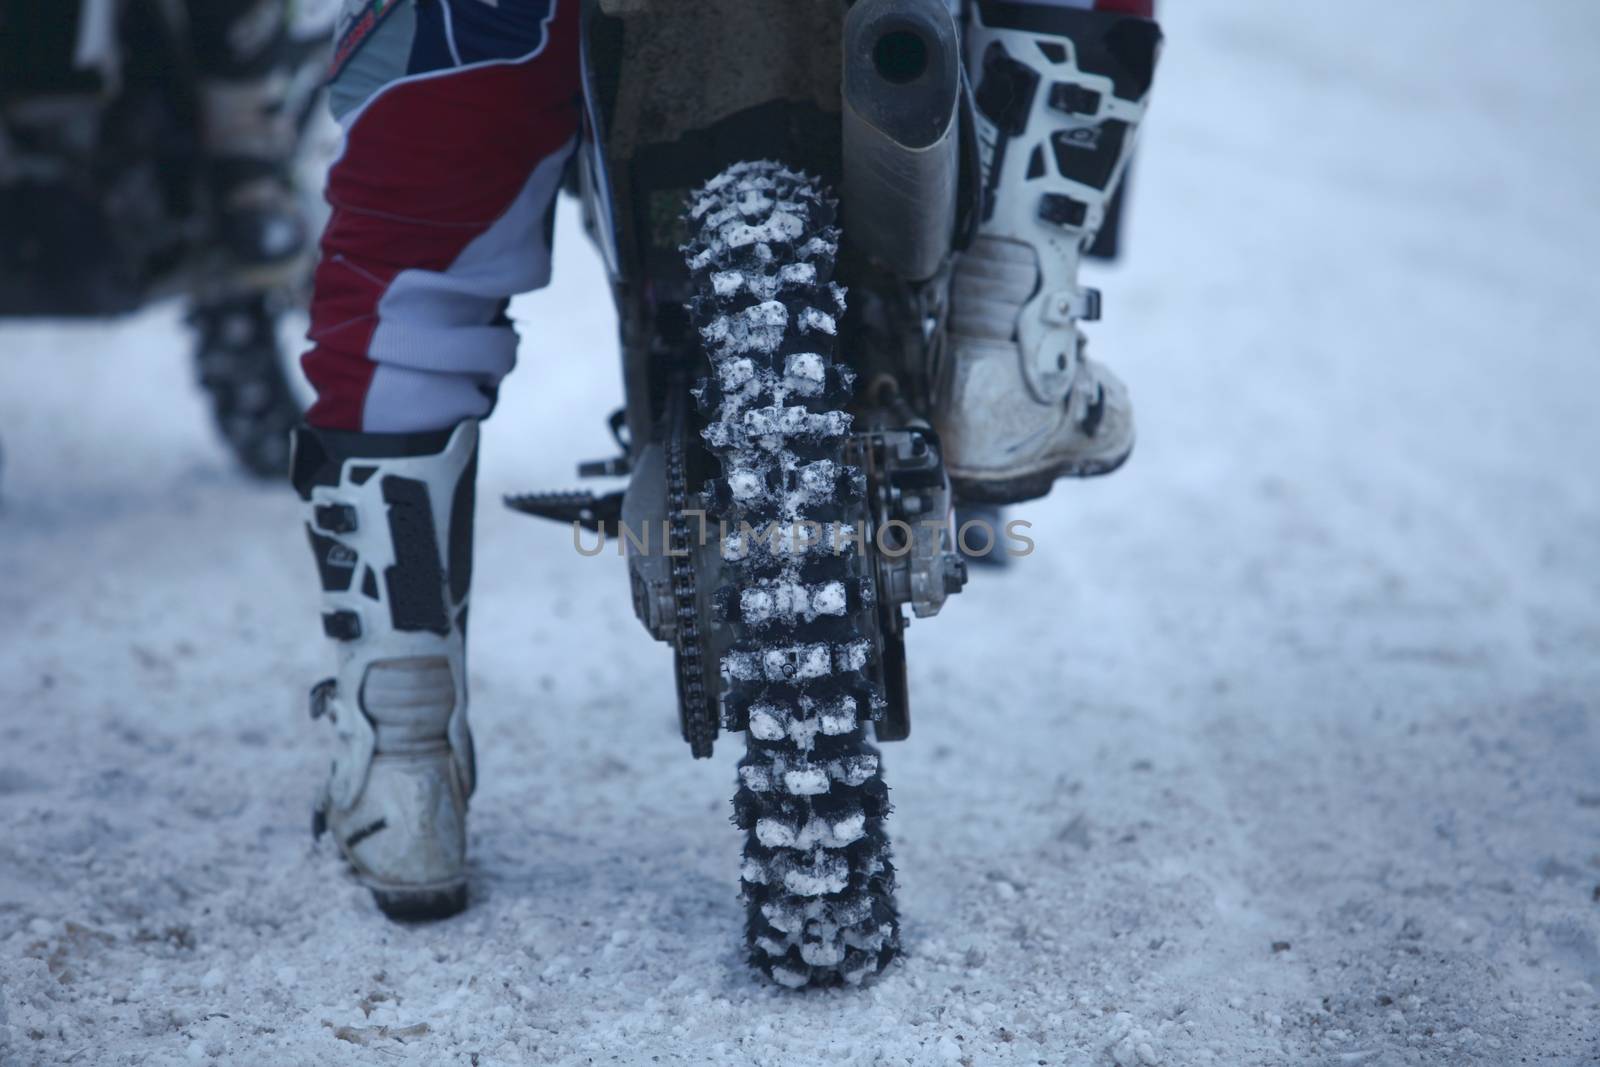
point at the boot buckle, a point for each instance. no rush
(1072, 305)
(321, 694)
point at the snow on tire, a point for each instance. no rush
(817, 877)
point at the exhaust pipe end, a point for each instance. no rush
(902, 97)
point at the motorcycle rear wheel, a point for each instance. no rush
(801, 673)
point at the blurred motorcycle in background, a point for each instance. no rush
(105, 205)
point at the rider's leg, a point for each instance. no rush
(1060, 89)
(457, 126)
(247, 132)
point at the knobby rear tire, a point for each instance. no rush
(817, 876)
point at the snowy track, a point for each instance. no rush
(1283, 748)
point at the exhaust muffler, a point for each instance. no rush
(902, 97)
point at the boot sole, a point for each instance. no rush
(1020, 488)
(421, 905)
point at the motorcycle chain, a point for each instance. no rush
(697, 712)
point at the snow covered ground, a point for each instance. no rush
(1283, 748)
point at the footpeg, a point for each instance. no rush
(593, 513)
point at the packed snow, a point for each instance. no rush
(1281, 748)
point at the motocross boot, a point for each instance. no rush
(390, 522)
(1060, 93)
(257, 219)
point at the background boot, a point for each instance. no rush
(390, 522)
(1060, 93)
(257, 221)
(245, 59)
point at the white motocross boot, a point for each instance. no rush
(390, 523)
(1060, 92)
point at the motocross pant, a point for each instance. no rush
(458, 119)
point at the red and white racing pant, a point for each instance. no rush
(459, 117)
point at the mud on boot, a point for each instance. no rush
(1060, 94)
(389, 517)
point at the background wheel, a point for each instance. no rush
(245, 371)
